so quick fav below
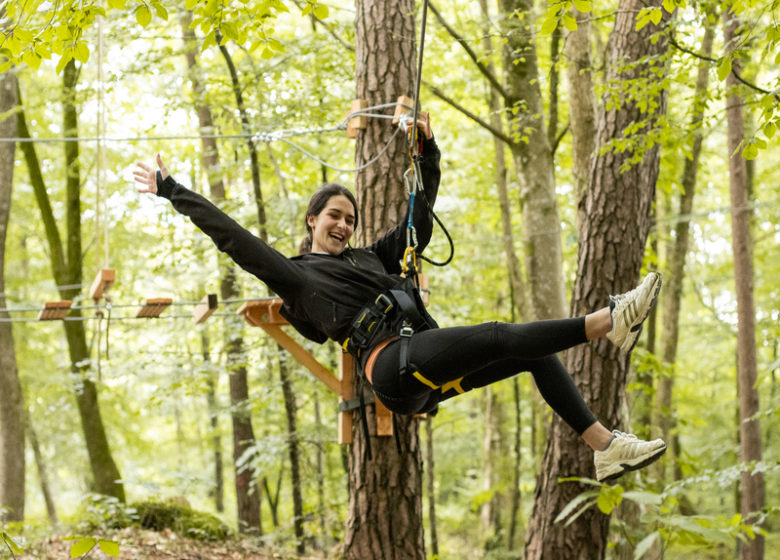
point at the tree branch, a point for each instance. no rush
(328, 28)
(700, 56)
(470, 52)
(484, 124)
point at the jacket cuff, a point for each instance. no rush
(429, 145)
(165, 188)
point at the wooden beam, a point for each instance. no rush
(401, 110)
(205, 308)
(303, 356)
(263, 312)
(347, 379)
(357, 123)
(54, 310)
(102, 283)
(384, 419)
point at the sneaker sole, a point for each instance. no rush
(627, 467)
(637, 328)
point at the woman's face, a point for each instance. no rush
(333, 226)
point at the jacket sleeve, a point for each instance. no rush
(248, 251)
(390, 248)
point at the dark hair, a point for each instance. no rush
(317, 203)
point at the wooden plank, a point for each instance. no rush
(303, 357)
(205, 308)
(153, 307)
(384, 419)
(357, 123)
(54, 310)
(102, 283)
(263, 312)
(347, 379)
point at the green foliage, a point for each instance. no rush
(10, 544)
(83, 546)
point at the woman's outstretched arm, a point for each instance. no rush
(248, 251)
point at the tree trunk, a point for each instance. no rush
(12, 458)
(517, 496)
(612, 241)
(533, 159)
(320, 461)
(385, 502)
(216, 439)
(66, 270)
(582, 112)
(673, 289)
(43, 476)
(752, 500)
(290, 408)
(431, 484)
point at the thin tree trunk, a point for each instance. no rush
(216, 440)
(66, 271)
(753, 490)
(673, 290)
(533, 159)
(385, 502)
(293, 448)
(582, 112)
(12, 458)
(517, 496)
(431, 482)
(320, 461)
(247, 493)
(43, 475)
(609, 261)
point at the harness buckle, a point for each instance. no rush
(385, 299)
(406, 331)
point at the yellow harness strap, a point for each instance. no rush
(425, 381)
(453, 385)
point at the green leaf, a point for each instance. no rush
(583, 6)
(572, 505)
(569, 21)
(143, 15)
(6, 537)
(669, 5)
(81, 52)
(321, 11)
(549, 24)
(64, 59)
(645, 544)
(5, 66)
(769, 129)
(31, 59)
(208, 41)
(306, 10)
(267, 53)
(82, 546)
(190, 4)
(117, 4)
(724, 68)
(655, 15)
(647, 498)
(161, 12)
(609, 498)
(108, 547)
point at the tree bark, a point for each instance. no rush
(673, 290)
(533, 159)
(582, 106)
(752, 499)
(385, 502)
(431, 485)
(12, 457)
(216, 439)
(612, 241)
(66, 270)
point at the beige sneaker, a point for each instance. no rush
(629, 311)
(624, 453)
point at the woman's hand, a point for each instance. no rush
(147, 176)
(423, 125)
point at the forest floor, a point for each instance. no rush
(137, 544)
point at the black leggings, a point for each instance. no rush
(449, 361)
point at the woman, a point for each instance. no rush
(357, 298)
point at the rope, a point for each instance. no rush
(413, 138)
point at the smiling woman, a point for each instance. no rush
(359, 298)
